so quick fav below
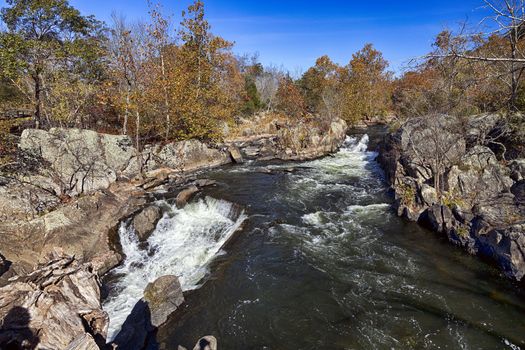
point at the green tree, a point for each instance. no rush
(44, 36)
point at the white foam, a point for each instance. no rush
(184, 243)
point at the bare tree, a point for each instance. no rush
(268, 84)
(508, 16)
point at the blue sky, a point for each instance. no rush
(294, 33)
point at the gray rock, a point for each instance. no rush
(236, 155)
(191, 155)
(81, 161)
(163, 297)
(185, 195)
(204, 182)
(145, 222)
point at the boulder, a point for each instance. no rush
(57, 306)
(163, 296)
(185, 195)
(145, 222)
(190, 155)
(517, 169)
(236, 155)
(80, 161)
(204, 182)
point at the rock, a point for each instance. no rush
(53, 307)
(163, 296)
(145, 222)
(428, 195)
(206, 343)
(236, 155)
(85, 227)
(204, 183)
(517, 169)
(80, 161)
(481, 207)
(185, 195)
(191, 155)
(518, 190)
(440, 218)
(83, 342)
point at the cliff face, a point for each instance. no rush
(445, 175)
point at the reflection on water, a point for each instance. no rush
(323, 263)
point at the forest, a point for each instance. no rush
(161, 81)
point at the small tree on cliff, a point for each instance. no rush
(44, 36)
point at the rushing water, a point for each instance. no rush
(321, 262)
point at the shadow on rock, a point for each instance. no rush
(137, 332)
(15, 332)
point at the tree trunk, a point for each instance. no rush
(38, 102)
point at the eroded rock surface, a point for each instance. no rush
(57, 306)
(145, 222)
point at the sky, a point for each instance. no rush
(292, 33)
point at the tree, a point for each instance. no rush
(206, 81)
(508, 17)
(267, 84)
(290, 99)
(43, 36)
(367, 85)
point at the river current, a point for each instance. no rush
(315, 259)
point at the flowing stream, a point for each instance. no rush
(320, 261)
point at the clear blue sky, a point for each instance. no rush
(294, 33)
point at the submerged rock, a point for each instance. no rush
(57, 306)
(145, 222)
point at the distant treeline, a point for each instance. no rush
(156, 80)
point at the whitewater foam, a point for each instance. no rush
(183, 244)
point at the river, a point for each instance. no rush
(315, 259)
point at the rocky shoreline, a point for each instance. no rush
(451, 176)
(78, 186)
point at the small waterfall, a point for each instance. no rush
(183, 244)
(351, 144)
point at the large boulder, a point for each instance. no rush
(80, 161)
(145, 222)
(189, 156)
(57, 306)
(163, 296)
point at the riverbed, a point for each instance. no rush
(316, 259)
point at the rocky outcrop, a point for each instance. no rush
(57, 306)
(266, 138)
(85, 228)
(145, 222)
(80, 161)
(444, 175)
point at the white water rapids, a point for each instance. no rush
(183, 244)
